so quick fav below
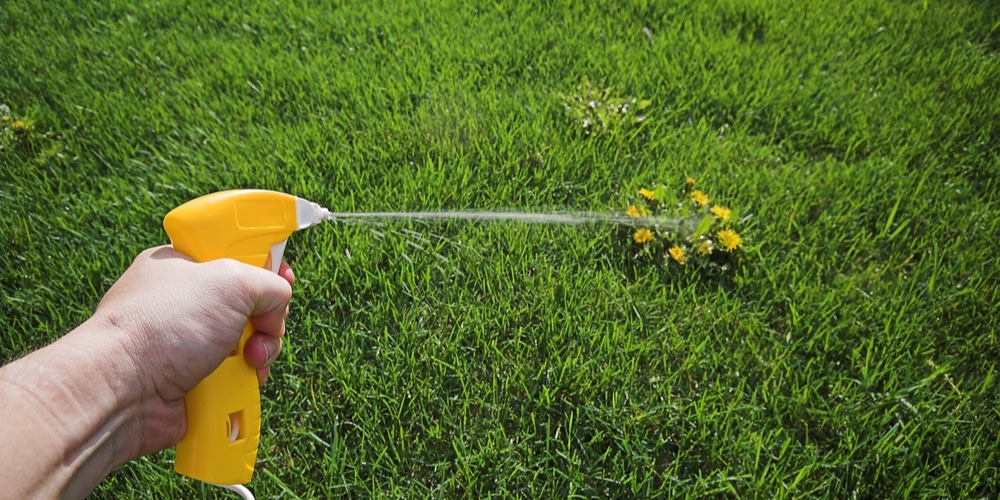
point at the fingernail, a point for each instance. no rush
(272, 356)
(267, 353)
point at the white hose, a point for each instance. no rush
(241, 490)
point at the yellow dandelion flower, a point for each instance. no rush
(721, 212)
(647, 194)
(18, 124)
(689, 181)
(705, 248)
(699, 197)
(730, 239)
(642, 235)
(5, 118)
(637, 211)
(677, 253)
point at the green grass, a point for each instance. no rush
(851, 353)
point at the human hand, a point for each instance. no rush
(177, 320)
(112, 389)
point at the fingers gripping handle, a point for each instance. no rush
(223, 411)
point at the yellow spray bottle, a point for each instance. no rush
(223, 411)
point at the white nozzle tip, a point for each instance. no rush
(310, 214)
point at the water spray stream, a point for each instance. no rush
(385, 220)
(529, 217)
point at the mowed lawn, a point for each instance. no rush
(850, 351)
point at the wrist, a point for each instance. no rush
(156, 421)
(108, 380)
(69, 404)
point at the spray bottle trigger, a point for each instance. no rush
(275, 255)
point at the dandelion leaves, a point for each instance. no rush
(664, 195)
(703, 227)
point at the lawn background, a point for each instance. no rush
(851, 353)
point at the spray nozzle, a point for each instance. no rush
(310, 213)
